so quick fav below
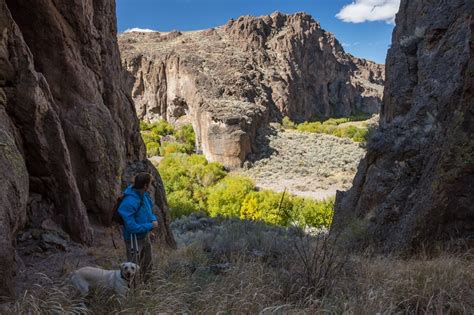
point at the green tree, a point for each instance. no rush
(226, 197)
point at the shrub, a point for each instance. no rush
(162, 128)
(144, 126)
(186, 172)
(278, 209)
(313, 213)
(331, 127)
(153, 132)
(182, 204)
(287, 123)
(152, 149)
(361, 135)
(168, 148)
(188, 177)
(267, 206)
(185, 134)
(149, 137)
(226, 197)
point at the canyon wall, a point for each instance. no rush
(68, 129)
(415, 187)
(232, 80)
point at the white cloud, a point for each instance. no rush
(137, 29)
(369, 10)
(350, 44)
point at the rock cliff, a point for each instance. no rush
(415, 186)
(68, 129)
(231, 80)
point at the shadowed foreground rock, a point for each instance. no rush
(68, 126)
(233, 79)
(415, 186)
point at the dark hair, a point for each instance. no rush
(141, 180)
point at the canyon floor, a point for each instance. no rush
(305, 164)
(242, 267)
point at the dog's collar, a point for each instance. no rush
(127, 280)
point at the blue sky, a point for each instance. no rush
(363, 26)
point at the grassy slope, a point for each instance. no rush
(243, 267)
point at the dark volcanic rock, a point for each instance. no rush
(415, 185)
(68, 126)
(232, 80)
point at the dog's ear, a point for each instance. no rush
(122, 265)
(138, 267)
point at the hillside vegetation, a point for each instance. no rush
(312, 165)
(194, 185)
(355, 128)
(162, 138)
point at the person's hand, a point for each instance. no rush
(155, 225)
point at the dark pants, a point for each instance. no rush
(142, 257)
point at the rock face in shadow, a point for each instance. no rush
(232, 80)
(68, 127)
(415, 186)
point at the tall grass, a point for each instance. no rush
(244, 267)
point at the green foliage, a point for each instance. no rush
(160, 128)
(182, 204)
(185, 134)
(332, 127)
(195, 185)
(309, 212)
(274, 208)
(152, 149)
(287, 123)
(265, 206)
(225, 198)
(168, 148)
(188, 177)
(152, 134)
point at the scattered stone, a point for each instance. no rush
(36, 233)
(53, 240)
(50, 225)
(257, 253)
(24, 236)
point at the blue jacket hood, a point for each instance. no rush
(129, 191)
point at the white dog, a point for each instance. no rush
(117, 280)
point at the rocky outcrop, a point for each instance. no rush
(415, 186)
(233, 79)
(68, 128)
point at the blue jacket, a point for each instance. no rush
(137, 214)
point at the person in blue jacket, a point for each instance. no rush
(136, 210)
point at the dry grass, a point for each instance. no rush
(438, 285)
(244, 267)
